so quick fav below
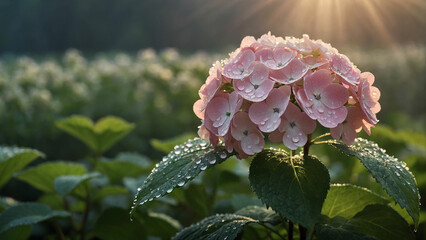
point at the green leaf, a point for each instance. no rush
(26, 214)
(108, 191)
(116, 170)
(136, 158)
(16, 233)
(43, 175)
(346, 200)
(13, 159)
(167, 145)
(225, 226)
(295, 187)
(160, 225)
(100, 136)
(377, 221)
(393, 175)
(178, 167)
(114, 223)
(64, 185)
(261, 214)
(6, 202)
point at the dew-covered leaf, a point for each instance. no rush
(13, 159)
(43, 175)
(377, 221)
(181, 165)
(295, 187)
(100, 136)
(226, 226)
(27, 214)
(346, 200)
(64, 185)
(392, 174)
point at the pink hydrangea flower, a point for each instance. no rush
(267, 114)
(249, 137)
(294, 127)
(220, 111)
(276, 58)
(255, 87)
(368, 97)
(291, 73)
(314, 62)
(322, 99)
(347, 129)
(341, 65)
(240, 65)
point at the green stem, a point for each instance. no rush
(307, 145)
(86, 214)
(302, 232)
(272, 230)
(67, 208)
(321, 136)
(290, 230)
(58, 230)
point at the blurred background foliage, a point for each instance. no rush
(144, 61)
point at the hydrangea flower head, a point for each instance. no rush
(281, 87)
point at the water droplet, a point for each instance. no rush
(320, 109)
(295, 139)
(222, 155)
(169, 190)
(203, 167)
(198, 161)
(180, 184)
(178, 151)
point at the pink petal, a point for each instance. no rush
(267, 114)
(316, 82)
(240, 65)
(242, 126)
(330, 118)
(334, 96)
(198, 105)
(294, 138)
(305, 123)
(253, 143)
(337, 131)
(217, 109)
(341, 65)
(314, 62)
(275, 58)
(291, 73)
(348, 135)
(247, 41)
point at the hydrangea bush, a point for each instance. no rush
(282, 90)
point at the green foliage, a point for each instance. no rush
(100, 136)
(374, 222)
(226, 226)
(346, 200)
(184, 163)
(293, 186)
(391, 173)
(27, 214)
(114, 223)
(65, 184)
(119, 168)
(43, 175)
(108, 191)
(13, 159)
(16, 233)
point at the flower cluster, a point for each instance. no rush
(281, 87)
